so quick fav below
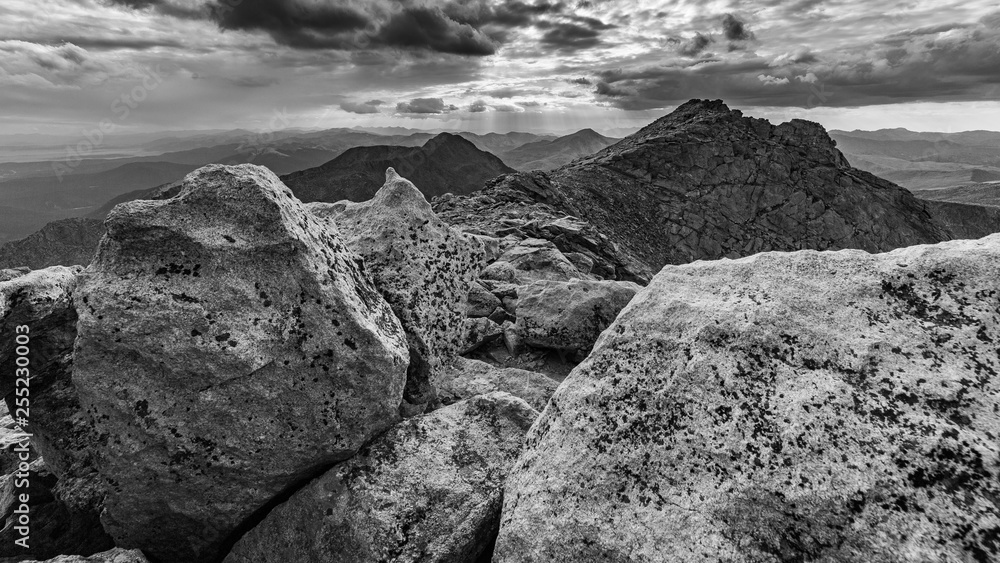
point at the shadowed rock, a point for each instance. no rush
(428, 490)
(65, 511)
(807, 406)
(229, 346)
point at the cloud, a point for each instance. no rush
(478, 106)
(424, 106)
(605, 89)
(571, 37)
(695, 45)
(581, 81)
(772, 80)
(459, 27)
(734, 29)
(371, 106)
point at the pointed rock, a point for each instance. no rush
(422, 267)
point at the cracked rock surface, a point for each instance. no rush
(428, 490)
(807, 406)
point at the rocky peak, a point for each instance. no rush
(706, 135)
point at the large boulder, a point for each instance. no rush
(428, 490)
(803, 406)
(570, 315)
(468, 378)
(229, 346)
(422, 267)
(37, 310)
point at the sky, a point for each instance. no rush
(69, 66)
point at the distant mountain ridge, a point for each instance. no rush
(551, 154)
(445, 164)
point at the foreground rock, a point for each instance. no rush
(428, 490)
(468, 378)
(66, 519)
(423, 268)
(785, 407)
(532, 260)
(569, 315)
(229, 346)
(113, 556)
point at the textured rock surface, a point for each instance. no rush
(445, 164)
(468, 378)
(67, 242)
(530, 260)
(62, 432)
(229, 345)
(481, 302)
(113, 556)
(476, 332)
(705, 182)
(516, 206)
(422, 267)
(427, 490)
(785, 407)
(569, 315)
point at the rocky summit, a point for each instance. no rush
(706, 182)
(806, 406)
(714, 340)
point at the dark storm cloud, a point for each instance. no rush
(371, 106)
(424, 106)
(960, 65)
(734, 29)
(581, 81)
(695, 45)
(430, 28)
(460, 27)
(571, 37)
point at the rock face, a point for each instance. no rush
(569, 315)
(785, 407)
(469, 378)
(422, 267)
(445, 164)
(427, 490)
(229, 346)
(42, 301)
(66, 242)
(705, 182)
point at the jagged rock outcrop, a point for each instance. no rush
(705, 182)
(422, 267)
(807, 406)
(229, 346)
(569, 315)
(468, 378)
(530, 260)
(429, 489)
(42, 302)
(445, 164)
(116, 555)
(67, 242)
(514, 206)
